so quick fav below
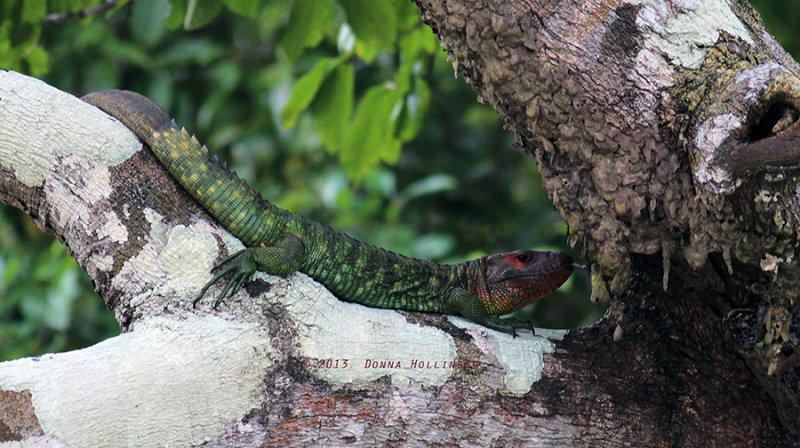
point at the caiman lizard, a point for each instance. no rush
(279, 242)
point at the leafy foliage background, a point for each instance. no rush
(346, 111)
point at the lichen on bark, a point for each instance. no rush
(662, 129)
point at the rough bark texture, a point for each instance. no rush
(665, 134)
(283, 362)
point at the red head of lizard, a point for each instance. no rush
(515, 279)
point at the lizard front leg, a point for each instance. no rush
(463, 302)
(284, 258)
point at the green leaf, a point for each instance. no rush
(271, 17)
(409, 59)
(191, 50)
(33, 11)
(23, 35)
(414, 108)
(334, 104)
(414, 49)
(176, 14)
(149, 20)
(370, 138)
(433, 184)
(411, 44)
(374, 24)
(306, 89)
(65, 5)
(38, 62)
(407, 15)
(128, 52)
(20, 32)
(309, 22)
(200, 12)
(247, 8)
(429, 40)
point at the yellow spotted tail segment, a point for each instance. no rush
(354, 271)
(227, 198)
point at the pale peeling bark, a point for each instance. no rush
(255, 372)
(632, 111)
(666, 133)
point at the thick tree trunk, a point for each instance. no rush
(665, 136)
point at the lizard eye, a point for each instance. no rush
(523, 258)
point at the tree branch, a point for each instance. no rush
(86, 12)
(149, 249)
(628, 115)
(641, 116)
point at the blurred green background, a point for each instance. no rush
(346, 111)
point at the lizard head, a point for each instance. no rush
(515, 279)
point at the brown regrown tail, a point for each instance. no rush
(137, 112)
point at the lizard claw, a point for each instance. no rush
(508, 325)
(240, 265)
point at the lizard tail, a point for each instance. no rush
(141, 115)
(227, 198)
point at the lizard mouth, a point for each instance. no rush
(527, 265)
(526, 275)
(543, 272)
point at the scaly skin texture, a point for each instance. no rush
(281, 243)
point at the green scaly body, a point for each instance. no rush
(281, 242)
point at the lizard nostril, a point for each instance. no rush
(778, 117)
